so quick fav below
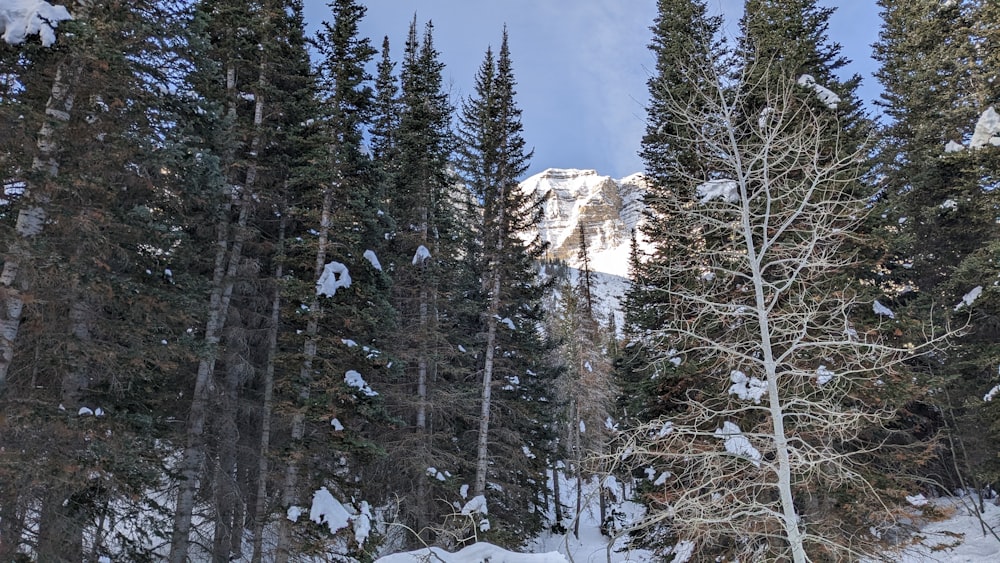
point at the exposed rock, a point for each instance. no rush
(609, 210)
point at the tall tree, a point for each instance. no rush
(492, 157)
(937, 210)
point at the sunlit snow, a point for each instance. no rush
(882, 310)
(370, 256)
(969, 298)
(824, 375)
(421, 255)
(736, 443)
(726, 190)
(987, 129)
(20, 19)
(824, 94)
(355, 380)
(747, 388)
(328, 510)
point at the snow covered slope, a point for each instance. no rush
(609, 211)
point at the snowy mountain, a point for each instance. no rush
(609, 211)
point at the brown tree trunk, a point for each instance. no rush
(289, 489)
(260, 506)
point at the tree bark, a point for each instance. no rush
(14, 284)
(289, 489)
(227, 259)
(260, 506)
(492, 317)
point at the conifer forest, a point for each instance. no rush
(270, 295)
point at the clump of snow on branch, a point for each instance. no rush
(666, 429)
(747, 388)
(421, 255)
(476, 505)
(992, 393)
(328, 510)
(370, 256)
(987, 129)
(952, 146)
(726, 190)
(354, 379)
(917, 500)
(765, 117)
(949, 204)
(334, 277)
(736, 443)
(969, 298)
(882, 310)
(337, 426)
(824, 375)
(824, 94)
(20, 19)
(440, 476)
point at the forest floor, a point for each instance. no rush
(948, 531)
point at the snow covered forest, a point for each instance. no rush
(269, 296)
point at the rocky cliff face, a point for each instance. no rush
(608, 209)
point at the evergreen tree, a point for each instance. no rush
(938, 205)
(688, 58)
(82, 251)
(421, 257)
(492, 157)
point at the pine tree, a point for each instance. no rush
(84, 270)
(938, 213)
(688, 56)
(492, 157)
(421, 257)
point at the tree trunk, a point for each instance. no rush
(492, 317)
(789, 519)
(557, 495)
(260, 507)
(227, 260)
(578, 462)
(14, 285)
(11, 523)
(226, 486)
(289, 492)
(194, 451)
(60, 528)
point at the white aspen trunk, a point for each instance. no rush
(790, 519)
(482, 448)
(578, 462)
(289, 493)
(260, 506)
(31, 217)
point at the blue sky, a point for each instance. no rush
(581, 65)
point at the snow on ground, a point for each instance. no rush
(959, 538)
(592, 546)
(475, 553)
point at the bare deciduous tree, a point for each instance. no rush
(760, 301)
